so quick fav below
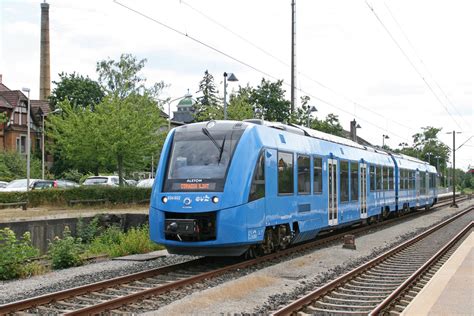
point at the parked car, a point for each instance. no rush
(18, 185)
(102, 180)
(132, 183)
(145, 183)
(47, 184)
(3, 184)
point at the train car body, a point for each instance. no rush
(224, 187)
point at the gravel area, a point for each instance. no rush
(261, 290)
(72, 277)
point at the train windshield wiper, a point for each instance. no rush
(206, 132)
(222, 150)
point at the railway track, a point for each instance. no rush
(386, 284)
(120, 294)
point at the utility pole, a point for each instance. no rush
(454, 168)
(293, 45)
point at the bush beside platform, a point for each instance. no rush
(63, 197)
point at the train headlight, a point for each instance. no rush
(215, 199)
(164, 199)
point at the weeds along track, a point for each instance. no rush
(389, 282)
(141, 291)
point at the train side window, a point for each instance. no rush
(318, 175)
(402, 179)
(304, 175)
(257, 189)
(379, 178)
(285, 173)
(372, 178)
(354, 181)
(412, 179)
(344, 180)
(385, 178)
(392, 179)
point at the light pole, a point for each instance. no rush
(384, 137)
(311, 110)
(42, 139)
(429, 157)
(28, 141)
(232, 77)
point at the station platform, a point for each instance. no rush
(451, 290)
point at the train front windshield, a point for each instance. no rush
(199, 160)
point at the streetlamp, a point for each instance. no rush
(384, 137)
(429, 157)
(28, 141)
(232, 77)
(42, 138)
(311, 110)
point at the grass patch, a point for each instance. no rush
(116, 243)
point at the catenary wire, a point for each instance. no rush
(411, 63)
(248, 65)
(422, 62)
(288, 65)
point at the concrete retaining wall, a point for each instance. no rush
(43, 231)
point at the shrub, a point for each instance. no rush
(66, 252)
(60, 197)
(87, 232)
(15, 253)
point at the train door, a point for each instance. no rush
(332, 192)
(363, 190)
(417, 187)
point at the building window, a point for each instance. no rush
(257, 189)
(372, 178)
(304, 175)
(318, 175)
(21, 144)
(354, 181)
(285, 173)
(344, 179)
(379, 178)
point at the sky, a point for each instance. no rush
(403, 66)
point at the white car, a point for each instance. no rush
(145, 183)
(102, 180)
(3, 184)
(18, 185)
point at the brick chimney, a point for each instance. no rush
(45, 76)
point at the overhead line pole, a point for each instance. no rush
(293, 44)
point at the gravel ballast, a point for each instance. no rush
(72, 277)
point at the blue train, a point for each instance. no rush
(225, 188)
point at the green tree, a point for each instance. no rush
(300, 115)
(77, 135)
(426, 146)
(13, 166)
(78, 90)
(240, 107)
(330, 125)
(269, 97)
(208, 106)
(131, 130)
(122, 78)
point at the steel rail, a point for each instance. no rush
(408, 282)
(76, 291)
(80, 290)
(307, 299)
